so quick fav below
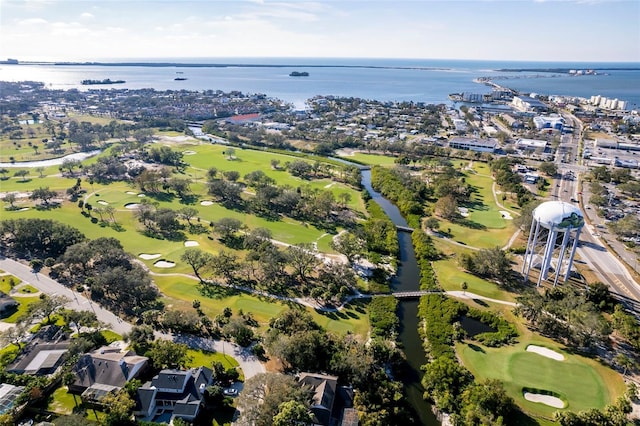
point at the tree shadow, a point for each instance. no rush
(470, 224)
(214, 291)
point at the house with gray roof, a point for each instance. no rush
(43, 354)
(324, 394)
(104, 371)
(173, 394)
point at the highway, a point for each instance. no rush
(606, 265)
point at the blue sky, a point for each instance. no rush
(581, 30)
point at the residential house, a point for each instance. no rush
(43, 354)
(324, 394)
(173, 393)
(104, 371)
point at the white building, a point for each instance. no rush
(553, 121)
(531, 144)
(473, 144)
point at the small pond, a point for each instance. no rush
(473, 327)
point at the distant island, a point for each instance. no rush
(105, 81)
(299, 74)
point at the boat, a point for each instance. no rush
(180, 78)
(299, 74)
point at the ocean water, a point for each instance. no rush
(428, 81)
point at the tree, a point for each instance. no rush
(292, 413)
(141, 338)
(167, 354)
(432, 223)
(227, 227)
(119, 409)
(549, 168)
(349, 244)
(230, 153)
(40, 171)
(487, 404)
(303, 259)
(188, 213)
(262, 396)
(231, 175)
(47, 305)
(464, 286)
(226, 265)
(447, 207)
(197, 259)
(10, 198)
(23, 174)
(624, 362)
(44, 194)
(70, 164)
(79, 318)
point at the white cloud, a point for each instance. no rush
(87, 15)
(33, 21)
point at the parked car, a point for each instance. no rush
(230, 392)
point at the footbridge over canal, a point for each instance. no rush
(404, 229)
(404, 294)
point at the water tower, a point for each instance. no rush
(555, 230)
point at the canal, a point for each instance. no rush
(407, 279)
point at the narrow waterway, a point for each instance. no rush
(407, 279)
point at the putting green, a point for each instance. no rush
(581, 382)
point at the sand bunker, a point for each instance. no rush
(164, 264)
(24, 209)
(189, 152)
(131, 193)
(545, 352)
(102, 202)
(549, 400)
(131, 206)
(191, 243)
(147, 256)
(206, 203)
(141, 195)
(506, 215)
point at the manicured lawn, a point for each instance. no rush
(110, 336)
(486, 227)
(201, 358)
(24, 303)
(5, 283)
(372, 159)
(181, 292)
(582, 382)
(63, 402)
(450, 277)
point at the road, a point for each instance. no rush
(249, 364)
(606, 265)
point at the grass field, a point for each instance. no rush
(581, 382)
(485, 226)
(372, 159)
(180, 293)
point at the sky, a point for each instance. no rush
(528, 30)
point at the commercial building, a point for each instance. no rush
(554, 122)
(528, 104)
(473, 144)
(531, 144)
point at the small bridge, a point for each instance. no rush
(405, 294)
(404, 228)
(413, 294)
